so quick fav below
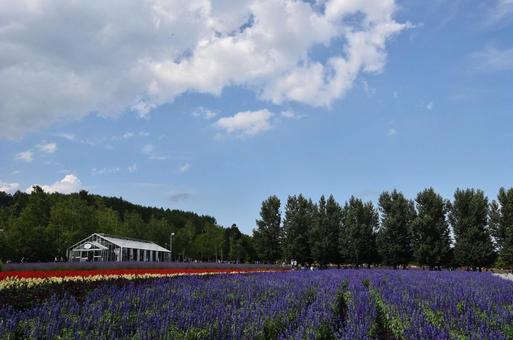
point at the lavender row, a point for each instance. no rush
(341, 304)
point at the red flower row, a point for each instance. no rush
(106, 272)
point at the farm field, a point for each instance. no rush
(340, 304)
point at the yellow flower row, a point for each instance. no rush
(16, 282)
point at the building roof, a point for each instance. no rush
(126, 242)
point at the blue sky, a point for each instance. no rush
(212, 107)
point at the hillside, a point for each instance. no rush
(40, 226)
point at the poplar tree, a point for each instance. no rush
(357, 239)
(325, 233)
(430, 230)
(394, 237)
(501, 225)
(268, 234)
(469, 218)
(300, 215)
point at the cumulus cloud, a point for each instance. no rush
(47, 147)
(26, 156)
(247, 123)
(69, 184)
(9, 187)
(52, 69)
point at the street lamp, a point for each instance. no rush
(171, 245)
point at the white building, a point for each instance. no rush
(103, 247)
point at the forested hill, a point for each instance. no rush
(41, 226)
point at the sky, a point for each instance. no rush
(212, 106)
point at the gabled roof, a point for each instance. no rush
(126, 242)
(94, 244)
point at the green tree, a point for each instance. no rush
(300, 216)
(231, 244)
(469, 219)
(501, 225)
(4, 222)
(134, 225)
(109, 221)
(325, 232)
(268, 235)
(394, 238)
(357, 237)
(430, 230)
(28, 236)
(70, 221)
(183, 242)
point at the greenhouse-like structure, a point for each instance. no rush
(103, 247)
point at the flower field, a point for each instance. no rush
(340, 304)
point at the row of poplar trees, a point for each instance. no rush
(429, 231)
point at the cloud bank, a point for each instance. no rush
(67, 185)
(62, 60)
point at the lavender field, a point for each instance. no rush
(331, 304)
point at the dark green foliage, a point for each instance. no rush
(41, 226)
(394, 238)
(341, 307)
(501, 225)
(430, 230)
(357, 239)
(300, 217)
(325, 232)
(469, 219)
(28, 297)
(268, 235)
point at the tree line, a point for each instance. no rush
(429, 231)
(40, 227)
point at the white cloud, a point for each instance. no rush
(54, 70)
(429, 106)
(47, 147)
(247, 123)
(132, 168)
(493, 59)
(143, 108)
(185, 167)
(369, 91)
(26, 156)
(68, 136)
(391, 132)
(149, 150)
(127, 135)
(104, 171)
(69, 184)
(204, 112)
(9, 187)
